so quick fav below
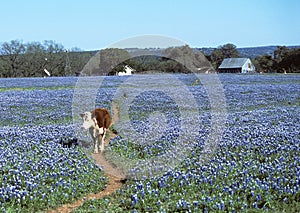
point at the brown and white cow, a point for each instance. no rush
(97, 122)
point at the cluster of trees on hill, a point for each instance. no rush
(29, 60)
(18, 59)
(171, 60)
(283, 60)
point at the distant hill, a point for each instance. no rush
(252, 52)
(246, 52)
(249, 52)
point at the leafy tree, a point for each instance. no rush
(290, 62)
(280, 53)
(111, 59)
(56, 58)
(217, 58)
(34, 60)
(286, 59)
(188, 60)
(11, 56)
(145, 63)
(222, 52)
(106, 62)
(264, 63)
(230, 51)
(172, 66)
(24, 60)
(2, 68)
(78, 59)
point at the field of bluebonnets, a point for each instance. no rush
(36, 170)
(255, 167)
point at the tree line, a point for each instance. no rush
(18, 59)
(170, 60)
(284, 59)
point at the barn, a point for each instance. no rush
(236, 65)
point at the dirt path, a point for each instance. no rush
(116, 177)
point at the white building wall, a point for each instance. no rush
(248, 67)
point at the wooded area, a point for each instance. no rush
(29, 60)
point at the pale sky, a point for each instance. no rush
(96, 24)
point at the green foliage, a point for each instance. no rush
(222, 52)
(78, 59)
(182, 59)
(188, 59)
(111, 60)
(11, 57)
(106, 62)
(29, 60)
(284, 60)
(264, 63)
(18, 59)
(287, 60)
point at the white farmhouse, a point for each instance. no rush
(236, 65)
(127, 71)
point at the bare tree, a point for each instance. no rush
(55, 54)
(11, 55)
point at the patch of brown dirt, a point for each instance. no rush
(116, 176)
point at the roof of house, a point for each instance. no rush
(233, 63)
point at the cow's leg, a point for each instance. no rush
(101, 143)
(102, 140)
(96, 145)
(93, 133)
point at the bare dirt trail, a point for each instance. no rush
(116, 177)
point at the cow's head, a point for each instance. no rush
(88, 120)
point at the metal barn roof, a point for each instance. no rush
(232, 63)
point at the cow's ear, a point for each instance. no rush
(81, 115)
